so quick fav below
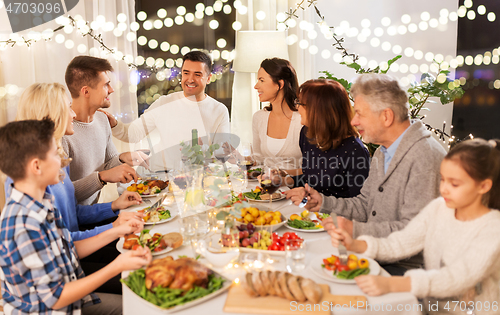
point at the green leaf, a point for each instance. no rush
(222, 215)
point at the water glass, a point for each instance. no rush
(188, 228)
(295, 255)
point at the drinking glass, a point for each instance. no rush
(295, 255)
(238, 179)
(270, 180)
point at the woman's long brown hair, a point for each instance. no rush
(329, 112)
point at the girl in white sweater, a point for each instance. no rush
(458, 232)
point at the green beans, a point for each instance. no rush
(166, 297)
(351, 274)
(301, 224)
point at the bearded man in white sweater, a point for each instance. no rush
(173, 116)
(95, 160)
(404, 171)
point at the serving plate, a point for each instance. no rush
(225, 286)
(328, 274)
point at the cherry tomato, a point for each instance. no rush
(158, 249)
(329, 267)
(342, 268)
(352, 264)
(363, 263)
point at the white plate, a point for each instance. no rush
(173, 214)
(119, 247)
(123, 187)
(303, 230)
(312, 216)
(328, 274)
(278, 199)
(225, 286)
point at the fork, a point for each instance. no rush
(341, 248)
(290, 202)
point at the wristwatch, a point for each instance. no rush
(102, 182)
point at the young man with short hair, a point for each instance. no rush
(176, 114)
(95, 158)
(40, 268)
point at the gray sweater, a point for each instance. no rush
(92, 150)
(388, 201)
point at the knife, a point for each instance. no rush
(156, 204)
(341, 248)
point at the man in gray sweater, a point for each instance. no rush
(95, 158)
(404, 171)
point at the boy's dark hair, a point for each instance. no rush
(21, 141)
(84, 71)
(199, 56)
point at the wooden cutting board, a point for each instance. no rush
(238, 301)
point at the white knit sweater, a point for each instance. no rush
(457, 255)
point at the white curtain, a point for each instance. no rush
(46, 61)
(242, 108)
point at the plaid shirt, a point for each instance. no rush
(33, 259)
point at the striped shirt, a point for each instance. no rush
(37, 257)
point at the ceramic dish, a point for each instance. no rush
(119, 247)
(328, 274)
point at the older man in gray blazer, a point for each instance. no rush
(404, 171)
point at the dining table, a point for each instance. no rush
(318, 246)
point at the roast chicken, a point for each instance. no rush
(183, 273)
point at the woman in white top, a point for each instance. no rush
(276, 128)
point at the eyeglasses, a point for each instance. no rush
(297, 103)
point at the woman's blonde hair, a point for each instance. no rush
(41, 100)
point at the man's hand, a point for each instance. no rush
(127, 199)
(112, 120)
(314, 198)
(119, 174)
(135, 158)
(124, 217)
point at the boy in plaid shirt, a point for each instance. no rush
(40, 270)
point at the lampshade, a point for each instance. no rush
(254, 46)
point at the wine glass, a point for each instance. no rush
(270, 180)
(238, 179)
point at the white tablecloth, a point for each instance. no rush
(318, 245)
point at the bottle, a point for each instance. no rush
(194, 137)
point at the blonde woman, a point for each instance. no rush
(51, 100)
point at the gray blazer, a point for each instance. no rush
(388, 201)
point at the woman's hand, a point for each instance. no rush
(378, 285)
(373, 285)
(127, 199)
(337, 235)
(130, 226)
(124, 217)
